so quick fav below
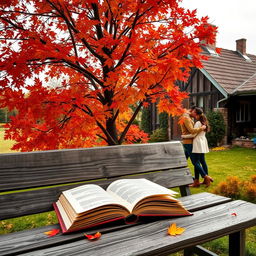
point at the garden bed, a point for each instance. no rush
(245, 143)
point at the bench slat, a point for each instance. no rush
(33, 239)
(151, 238)
(32, 169)
(36, 201)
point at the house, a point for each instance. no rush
(227, 83)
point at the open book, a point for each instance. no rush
(90, 205)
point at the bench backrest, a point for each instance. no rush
(30, 182)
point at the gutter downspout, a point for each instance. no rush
(218, 102)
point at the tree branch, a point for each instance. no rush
(102, 137)
(32, 14)
(110, 140)
(124, 55)
(120, 141)
(115, 116)
(13, 24)
(88, 74)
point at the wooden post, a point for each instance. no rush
(188, 252)
(198, 250)
(185, 191)
(237, 243)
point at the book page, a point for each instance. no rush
(133, 190)
(64, 216)
(88, 197)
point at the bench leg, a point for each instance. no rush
(236, 246)
(237, 243)
(185, 190)
(198, 250)
(188, 251)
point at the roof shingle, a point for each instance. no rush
(232, 72)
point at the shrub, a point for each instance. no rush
(163, 123)
(237, 189)
(163, 120)
(229, 188)
(217, 128)
(2, 116)
(253, 179)
(145, 120)
(159, 135)
(5, 115)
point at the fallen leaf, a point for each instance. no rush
(173, 230)
(9, 226)
(52, 232)
(179, 230)
(93, 237)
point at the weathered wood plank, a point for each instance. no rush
(36, 201)
(33, 239)
(65, 166)
(151, 238)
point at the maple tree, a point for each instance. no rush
(110, 57)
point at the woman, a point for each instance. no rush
(200, 147)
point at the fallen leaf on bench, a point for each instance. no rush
(173, 230)
(52, 232)
(233, 214)
(93, 237)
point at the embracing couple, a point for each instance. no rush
(195, 143)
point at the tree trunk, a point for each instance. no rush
(111, 129)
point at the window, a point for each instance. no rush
(212, 52)
(243, 112)
(200, 102)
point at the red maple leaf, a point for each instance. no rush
(96, 236)
(52, 232)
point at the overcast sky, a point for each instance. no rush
(235, 19)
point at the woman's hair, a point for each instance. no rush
(202, 118)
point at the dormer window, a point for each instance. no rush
(211, 51)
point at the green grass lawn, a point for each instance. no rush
(239, 162)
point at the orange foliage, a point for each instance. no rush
(109, 56)
(238, 189)
(230, 187)
(253, 179)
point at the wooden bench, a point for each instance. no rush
(34, 181)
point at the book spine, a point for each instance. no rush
(61, 222)
(131, 219)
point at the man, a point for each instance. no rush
(187, 127)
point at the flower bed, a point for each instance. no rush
(245, 143)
